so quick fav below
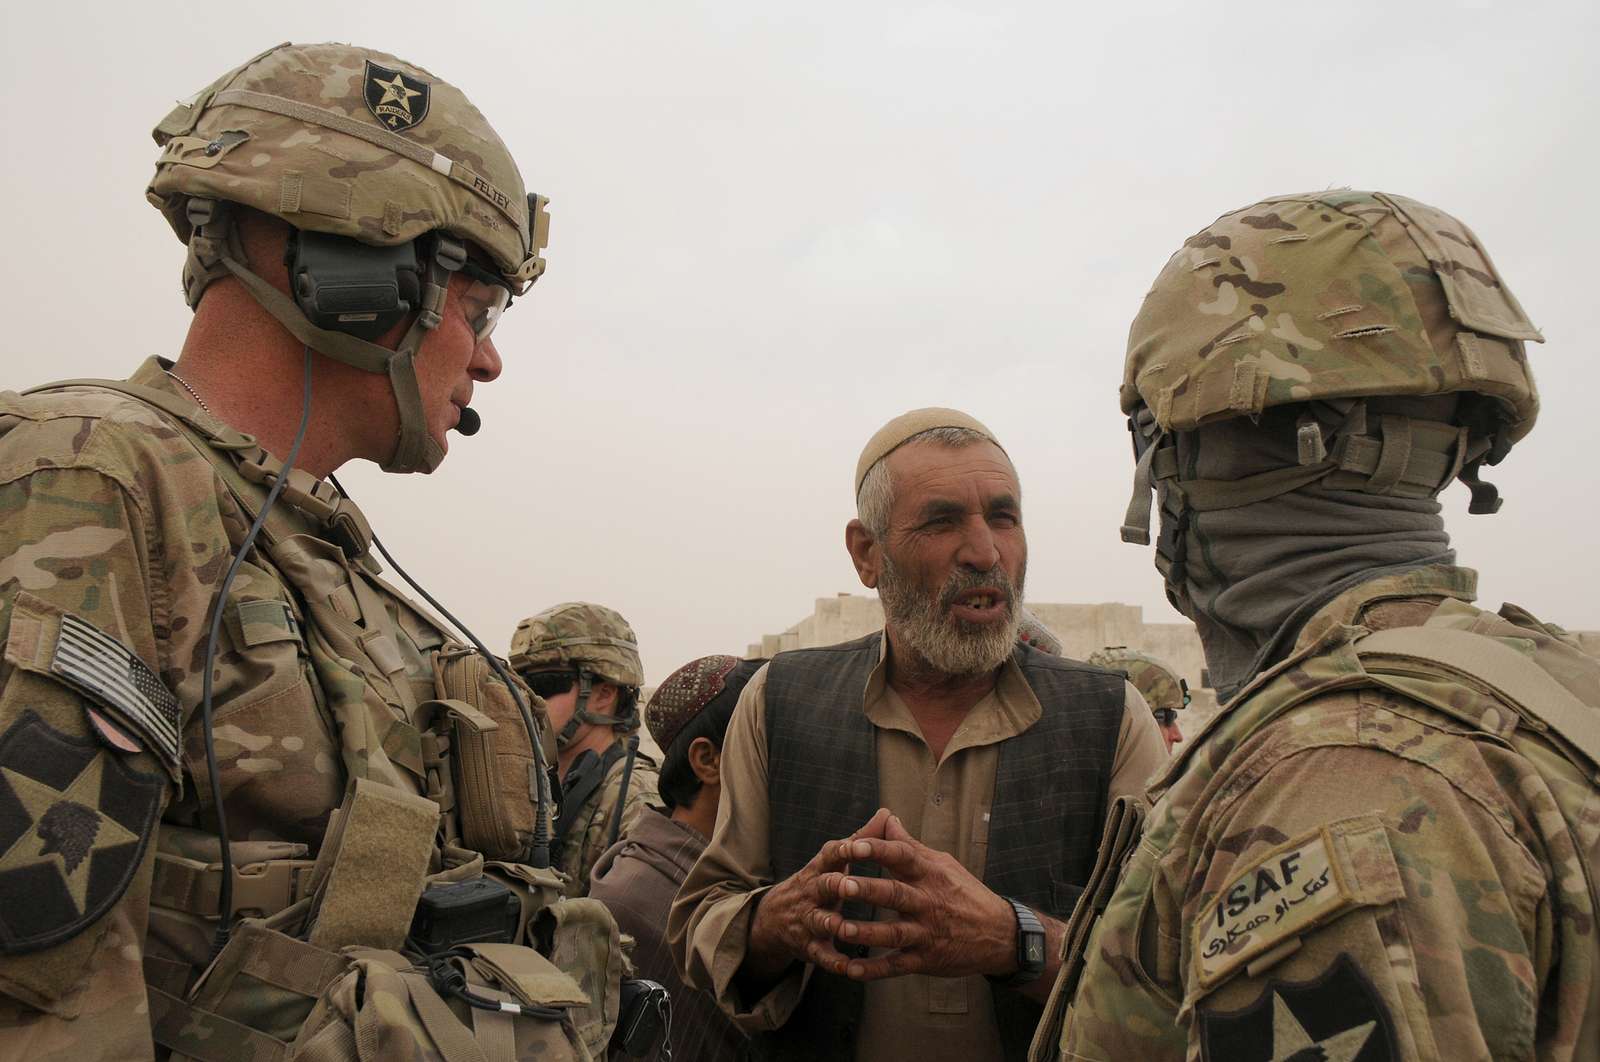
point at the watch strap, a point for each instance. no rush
(1031, 947)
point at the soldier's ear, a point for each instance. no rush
(865, 553)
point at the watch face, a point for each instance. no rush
(1035, 949)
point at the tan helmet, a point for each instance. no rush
(592, 641)
(1330, 298)
(350, 142)
(579, 635)
(1161, 686)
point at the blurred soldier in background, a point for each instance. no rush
(1165, 691)
(200, 661)
(638, 876)
(1385, 845)
(583, 659)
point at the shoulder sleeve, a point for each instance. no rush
(1373, 901)
(86, 726)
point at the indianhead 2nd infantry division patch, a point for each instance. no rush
(1337, 1017)
(74, 823)
(397, 101)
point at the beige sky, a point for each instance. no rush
(775, 226)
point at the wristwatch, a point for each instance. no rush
(1030, 948)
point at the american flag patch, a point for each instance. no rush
(107, 670)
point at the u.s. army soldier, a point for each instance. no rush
(354, 229)
(1385, 846)
(583, 659)
(1165, 691)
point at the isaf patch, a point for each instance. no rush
(1289, 891)
(1338, 1017)
(74, 824)
(396, 100)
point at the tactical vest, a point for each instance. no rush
(1050, 794)
(1507, 676)
(412, 710)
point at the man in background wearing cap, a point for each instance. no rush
(973, 770)
(1163, 689)
(638, 876)
(583, 659)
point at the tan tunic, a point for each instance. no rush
(943, 802)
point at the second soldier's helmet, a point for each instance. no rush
(579, 636)
(1325, 300)
(346, 143)
(1161, 686)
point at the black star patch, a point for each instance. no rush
(396, 100)
(1336, 1018)
(74, 824)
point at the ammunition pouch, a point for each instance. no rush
(478, 756)
(271, 997)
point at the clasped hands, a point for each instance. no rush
(935, 917)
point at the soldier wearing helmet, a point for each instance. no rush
(1383, 845)
(200, 659)
(583, 659)
(1165, 691)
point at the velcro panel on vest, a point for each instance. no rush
(376, 858)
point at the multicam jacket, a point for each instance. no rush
(1363, 859)
(589, 833)
(116, 535)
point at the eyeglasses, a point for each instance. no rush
(1165, 716)
(485, 299)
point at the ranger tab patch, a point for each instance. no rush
(397, 101)
(1336, 1018)
(74, 824)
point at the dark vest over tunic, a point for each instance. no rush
(1048, 808)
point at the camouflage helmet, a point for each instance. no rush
(1333, 298)
(1032, 631)
(1159, 684)
(579, 636)
(350, 142)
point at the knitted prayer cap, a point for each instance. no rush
(900, 430)
(684, 694)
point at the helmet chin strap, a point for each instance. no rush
(215, 251)
(581, 713)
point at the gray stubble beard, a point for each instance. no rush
(946, 644)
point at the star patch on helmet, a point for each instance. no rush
(74, 824)
(1337, 1017)
(397, 101)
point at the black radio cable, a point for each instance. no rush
(213, 776)
(539, 846)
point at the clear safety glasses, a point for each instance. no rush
(485, 299)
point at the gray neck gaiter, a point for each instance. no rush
(1254, 574)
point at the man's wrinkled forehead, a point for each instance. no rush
(930, 475)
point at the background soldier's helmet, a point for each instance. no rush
(1161, 686)
(579, 636)
(1031, 629)
(1330, 298)
(353, 143)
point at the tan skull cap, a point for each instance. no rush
(901, 429)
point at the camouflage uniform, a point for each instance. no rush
(593, 643)
(1385, 845)
(123, 514)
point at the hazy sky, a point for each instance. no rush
(775, 226)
